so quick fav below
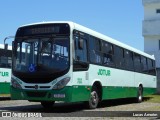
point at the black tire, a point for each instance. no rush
(94, 98)
(47, 104)
(139, 98)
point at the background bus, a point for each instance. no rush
(5, 70)
(64, 61)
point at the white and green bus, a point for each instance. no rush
(64, 61)
(5, 70)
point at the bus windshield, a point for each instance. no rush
(45, 54)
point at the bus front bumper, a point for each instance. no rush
(64, 94)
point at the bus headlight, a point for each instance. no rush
(15, 84)
(62, 83)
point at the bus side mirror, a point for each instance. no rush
(80, 44)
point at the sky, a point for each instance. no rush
(118, 19)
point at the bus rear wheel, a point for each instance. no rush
(94, 98)
(140, 94)
(47, 104)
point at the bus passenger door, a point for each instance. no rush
(80, 68)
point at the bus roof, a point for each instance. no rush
(96, 34)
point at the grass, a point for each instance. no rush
(5, 95)
(152, 98)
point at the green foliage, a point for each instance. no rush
(152, 98)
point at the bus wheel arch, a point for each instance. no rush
(98, 85)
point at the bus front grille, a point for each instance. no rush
(33, 87)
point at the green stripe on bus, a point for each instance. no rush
(113, 92)
(148, 91)
(78, 93)
(81, 93)
(4, 88)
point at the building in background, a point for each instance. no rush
(151, 32)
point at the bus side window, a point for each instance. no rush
(119, 57)
(151, 67)
(80, 53)
(128, 56)
(144, 64)
(137, 63)
(95, 50)
(5, 58)
(154, 67)
(108, 54)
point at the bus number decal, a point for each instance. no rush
(79, 80)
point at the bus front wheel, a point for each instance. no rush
(47, 104)
(94, 98)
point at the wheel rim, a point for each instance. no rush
(94, 98)
(140, 97)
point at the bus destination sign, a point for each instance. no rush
(43, 29)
